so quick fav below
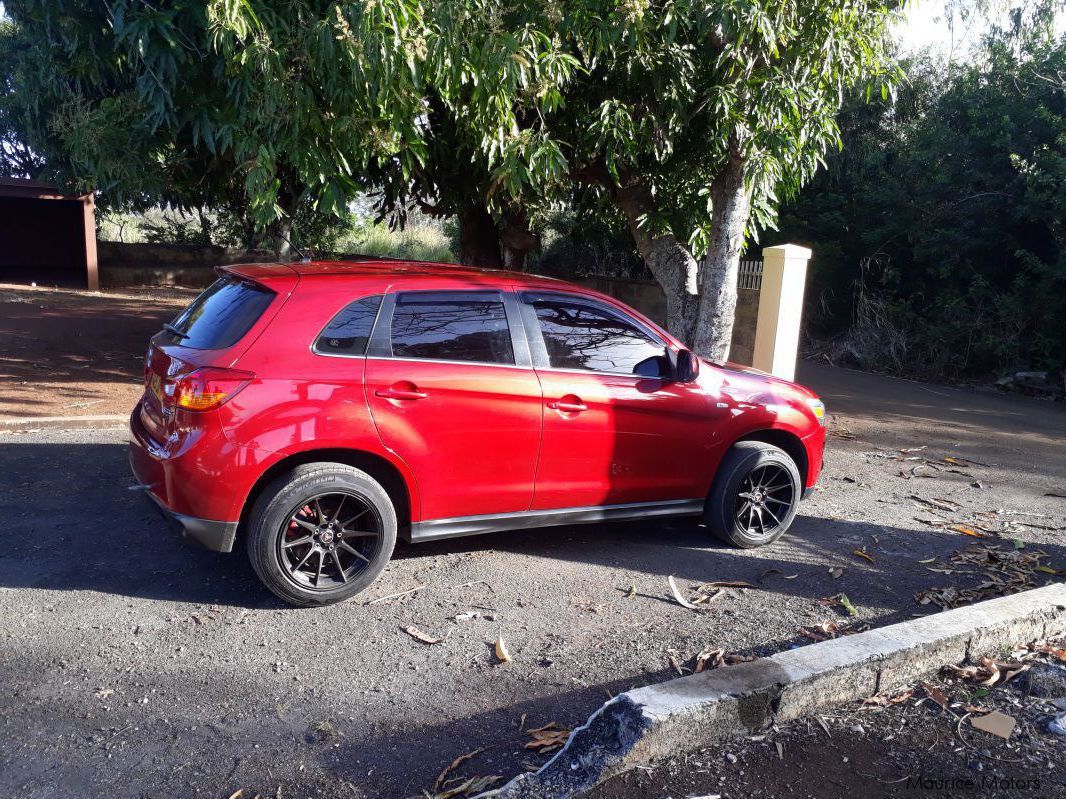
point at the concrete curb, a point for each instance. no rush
(25, 424)
(690, 713)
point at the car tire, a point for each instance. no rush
(741, 509)
(302, 542)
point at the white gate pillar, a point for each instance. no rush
(784, 277)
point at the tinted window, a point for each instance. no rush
(221, 315)
(348, 332)
(579, 336)
(466, 328)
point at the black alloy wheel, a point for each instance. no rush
(321, 533)
(766, 495)
(329, 540)
(755, 495)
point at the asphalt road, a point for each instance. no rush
(133, 664)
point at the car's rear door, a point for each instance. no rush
(616, 429)
(452, 393)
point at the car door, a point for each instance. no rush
(617, 430)
(452, 393)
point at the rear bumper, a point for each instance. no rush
(216, 536)
(156, 474)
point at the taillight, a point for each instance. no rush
(209, 388)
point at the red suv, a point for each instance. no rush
(319, 410)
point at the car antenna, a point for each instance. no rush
(304, 259)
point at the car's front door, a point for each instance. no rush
(452, 394)
(617, 430)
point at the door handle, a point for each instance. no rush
(400, 394)
(568, 405)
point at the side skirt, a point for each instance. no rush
(493, 523)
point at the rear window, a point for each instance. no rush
(221, 315)
(348, 332)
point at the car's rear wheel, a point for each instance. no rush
(755, 495)
(321, 533)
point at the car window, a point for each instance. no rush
(221, 315)
(466, 327)
(349, 331)
(582, 336)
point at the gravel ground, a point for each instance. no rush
(133, 664)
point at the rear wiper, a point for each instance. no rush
(171, 329)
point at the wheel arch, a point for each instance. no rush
(378, 467)
(785, 440)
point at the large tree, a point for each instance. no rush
(689, 119)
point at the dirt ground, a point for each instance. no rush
(65, 352)
(919, 742)
(133, 664)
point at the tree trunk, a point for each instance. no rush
(670, 262)
(730, 205)
(701, 299)
(518, 240)
(479, 238)
(281, 230)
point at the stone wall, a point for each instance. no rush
(649, 299)
(742, 349)
(188, 265)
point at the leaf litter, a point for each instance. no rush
(1002, 572)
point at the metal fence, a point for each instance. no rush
(750, 275)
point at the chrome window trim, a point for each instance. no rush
(441, 360)
(380, 340)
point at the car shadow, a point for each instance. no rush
(74, 520)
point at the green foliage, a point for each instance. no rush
(948, 205)
(445, 104)
(578, 244)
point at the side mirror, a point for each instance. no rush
(686, 366)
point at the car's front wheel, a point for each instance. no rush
(755, 495)
(321, 533)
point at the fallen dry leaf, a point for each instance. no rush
(935, 694)
(454, 765)
(882, 700)
(1047, 649)
(502, 654)
(989, 672)
(550, 736)
(418, 635)
(862, 553)
(675, 663)
(727, 584)
(236, 794)
(470, 787)
(677, 594)
(958, 528)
